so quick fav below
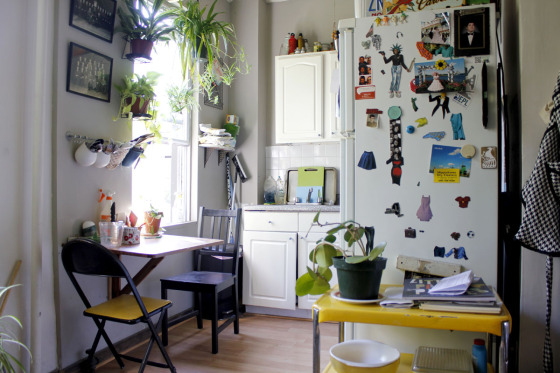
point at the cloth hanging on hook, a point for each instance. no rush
(540, 227)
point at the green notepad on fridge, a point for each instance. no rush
(311, 184)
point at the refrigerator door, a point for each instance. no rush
(454, 222)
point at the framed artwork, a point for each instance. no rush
(217, 99)
(89, 73)
(472, 31)
(95, 17)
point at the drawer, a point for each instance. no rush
(270, 221)
(306, 218)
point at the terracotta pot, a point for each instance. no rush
(152, 223)
(141, 48)
(136, 108)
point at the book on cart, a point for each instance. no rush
(463, 287)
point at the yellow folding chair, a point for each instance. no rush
(86, 257)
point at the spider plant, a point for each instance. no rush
(8, 337)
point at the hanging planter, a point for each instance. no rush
(140, 48)
(143, 24)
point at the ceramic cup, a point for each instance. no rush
(131, 235)
(84, 156)
(102, 160)
(111, 233)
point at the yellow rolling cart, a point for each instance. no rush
(328, 309)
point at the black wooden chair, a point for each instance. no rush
(86, 257)
(223, 224)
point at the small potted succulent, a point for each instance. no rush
(143, 25)
(359, 276)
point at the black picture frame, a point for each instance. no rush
(217, 91)
(480, 42)
(89, 73)
(95, 17)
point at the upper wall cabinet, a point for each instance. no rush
(304, 104)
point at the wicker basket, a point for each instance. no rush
(117, 157)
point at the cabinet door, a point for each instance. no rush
(305, 246)
(331, 119)
(269, 269)
(299, 98)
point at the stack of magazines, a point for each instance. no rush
(459, 293)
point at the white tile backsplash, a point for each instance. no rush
(281, 157)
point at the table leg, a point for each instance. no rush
(138, 278)
(504, 347)
(316, 342)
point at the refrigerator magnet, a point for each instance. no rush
(372, 117)
(468, 151)
(488, 158)
(394, 112)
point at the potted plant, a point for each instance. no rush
(152, 220)
(359, 276)
(143, 25)
(182, 97)
(200, 35)
(9, 362)
(137, 95)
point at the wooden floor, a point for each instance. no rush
(264, 344)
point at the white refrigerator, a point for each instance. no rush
(418, 165)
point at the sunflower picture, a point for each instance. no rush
(441, 64)
(451, 74)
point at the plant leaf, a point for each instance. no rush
(356, 259)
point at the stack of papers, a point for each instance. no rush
(394, 299)
(459, 293)
(216, 137)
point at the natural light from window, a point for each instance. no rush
(162, 177)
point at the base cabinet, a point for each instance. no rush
(269, 273)
(276, 247)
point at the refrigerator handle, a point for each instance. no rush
(347, 82)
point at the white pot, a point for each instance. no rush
(84, 156)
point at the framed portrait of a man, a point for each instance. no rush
(472, 32)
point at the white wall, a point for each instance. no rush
(539, 65)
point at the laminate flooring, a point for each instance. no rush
(264, 344)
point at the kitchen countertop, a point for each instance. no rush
(293, 208)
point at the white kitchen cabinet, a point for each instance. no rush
(305, 107)
(269, 271)
(273, 245)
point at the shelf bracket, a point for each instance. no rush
(208, 153)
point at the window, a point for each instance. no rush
(162, 178)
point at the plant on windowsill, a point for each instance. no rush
(152, 220)
(200, 36)
(143, 25)
(9, 362)
(359, 276)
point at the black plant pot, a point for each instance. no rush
(359, 280)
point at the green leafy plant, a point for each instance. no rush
(198, 32)
(136, 87)
(154, 213)
(9, 362)
(181, 98)
(139, 20)
(316, 280)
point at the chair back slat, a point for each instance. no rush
(220, 224)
